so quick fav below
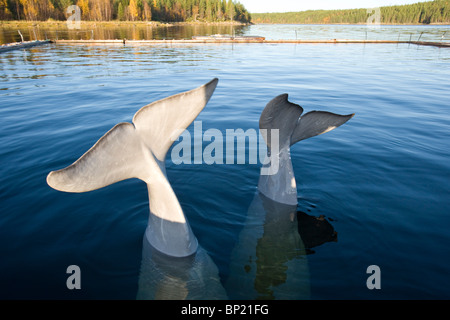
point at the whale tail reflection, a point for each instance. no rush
(314, 231)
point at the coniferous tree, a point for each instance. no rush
(437, 11)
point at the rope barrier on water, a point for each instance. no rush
(240, 40)
(28, 44)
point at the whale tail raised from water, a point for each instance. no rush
(121, 153)
(292, 127)
(287, 117)
(138, 150)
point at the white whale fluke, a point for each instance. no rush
(287, 117)
(138, 150)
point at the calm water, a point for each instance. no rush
(381, 180)
(142, 31)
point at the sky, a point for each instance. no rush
(257, 6)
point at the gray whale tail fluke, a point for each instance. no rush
(287, 117)
(315, 123)
(292, 126)
(138, 150)
(269, 260)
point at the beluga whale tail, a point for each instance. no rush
(138, 150)
(292, 126)
(269, 260)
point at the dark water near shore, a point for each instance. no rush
(381, 180)
(142, 31)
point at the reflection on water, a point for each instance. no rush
(269, 260)
(148, 31)
(162, 277)
(314, 231)
(131, 31)
(357, 32)
(279, 244)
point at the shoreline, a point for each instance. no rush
(354, 24)
(116, 23)
(6, 23)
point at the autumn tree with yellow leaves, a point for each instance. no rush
(132, 10)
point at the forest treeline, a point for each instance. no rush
(437, 11)
(126, 10)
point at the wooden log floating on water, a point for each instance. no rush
(435, 44)
(209, 40)
(22, 45)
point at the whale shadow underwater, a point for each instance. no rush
(269, 260)
(173, 265)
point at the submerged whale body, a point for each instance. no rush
(138, 150)
(163, 277)
(269, 260)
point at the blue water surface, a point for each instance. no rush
(381, 180)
